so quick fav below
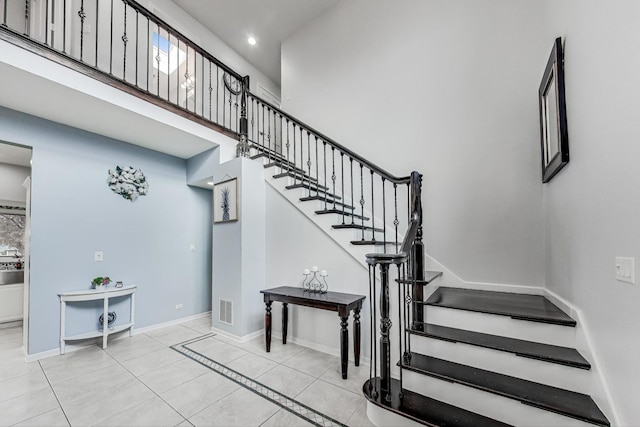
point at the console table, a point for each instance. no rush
(333, 301)
(92, 295)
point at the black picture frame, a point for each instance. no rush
(554, 137)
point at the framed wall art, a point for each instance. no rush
(554, 138)
(225, 201)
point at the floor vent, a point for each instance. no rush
(226, 312)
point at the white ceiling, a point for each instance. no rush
(268, 21)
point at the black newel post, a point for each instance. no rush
(417, 252)
(385, 327)
(242, 149)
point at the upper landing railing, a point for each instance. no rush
(122, 44)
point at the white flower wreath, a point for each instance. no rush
(128, 182)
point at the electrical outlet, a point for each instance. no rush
(98, 256)
(179, 306)
(192, 247)
(625, 269)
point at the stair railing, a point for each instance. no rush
(408, 268)
(364, 196)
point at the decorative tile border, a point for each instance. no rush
(299, 409)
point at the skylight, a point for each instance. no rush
(170, 57)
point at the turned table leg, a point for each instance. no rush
(344, 345)
(267, 325)
(356, 337)
(285, 321)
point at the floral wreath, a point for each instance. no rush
(128, 182)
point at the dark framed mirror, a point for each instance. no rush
(554, 138)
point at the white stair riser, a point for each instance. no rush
(552, 374)
(505, 326)
(491, 405)
(383, 418)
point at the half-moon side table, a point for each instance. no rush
(92, 295)
(333, 301)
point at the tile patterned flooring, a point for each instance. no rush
(142, 381)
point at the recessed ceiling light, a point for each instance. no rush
(210, 182)
(251, 41)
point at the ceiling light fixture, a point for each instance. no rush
(251, 41)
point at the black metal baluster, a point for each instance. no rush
(269, 150)
(400, 328)
(96, 32)
(288, 162)
(177, 74)
(64, 23)
(217, 94)
(46, 22)
(53, 18)
(324, 143)
(342, 183)
(4, 13)
(301, 158)
(124, 40)
(317, 166)
(237, 116)
(333, 176)
(384, 214)
(352, 200)
(27, 16)
(110, 43)
(395, 204)
(158, 62)
(281, 141)
(375, 328)
(309, 163)
(82, 15)
(362, 198)
(373, 207)
(231, 112)
(137, 42)
(186, 79)
(146, 61)
(295, 172)
(211, 90)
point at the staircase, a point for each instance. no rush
(492, 358)
(456, 357)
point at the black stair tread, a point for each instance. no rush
(341, 212)
(328, 201)
(357, 227)
(428, 411)
(284, 165)
(565, 402)
(545, 352)
(372, 242)
(534, 308)
(429, 276)
(311, 186)
(303, 177)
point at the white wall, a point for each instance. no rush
(191, 28)
(448, 89)
(592, 207)
(11, 179)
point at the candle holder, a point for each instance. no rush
(313, 283)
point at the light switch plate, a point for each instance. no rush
(98, 256)
(625, 269)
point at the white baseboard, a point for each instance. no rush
(150, 328)
(70, 348)
(333, 351)
(237, 338)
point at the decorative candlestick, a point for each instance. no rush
(313, 283)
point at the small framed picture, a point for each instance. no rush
(225, 201)
(119, 284)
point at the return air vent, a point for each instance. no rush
(226, 312)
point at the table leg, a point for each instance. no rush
(285, 321)
(267, 325)
(356, 337)
(63, 309)
(105, 320)
(344, 345)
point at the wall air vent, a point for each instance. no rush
(226, 312)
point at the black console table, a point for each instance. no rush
(333, 301)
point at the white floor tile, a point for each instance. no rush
(286, 380)
(284, 418)
(194, 396)
(152, 361)
(170, 376)
(328, 399)
(312, 362)
(27, 406)
(54, 418)
(233, 411)
(151, 412)
(25, 384)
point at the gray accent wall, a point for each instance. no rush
(74, 214)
